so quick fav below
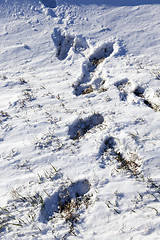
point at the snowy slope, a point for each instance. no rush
(79, 119)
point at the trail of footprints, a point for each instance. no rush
(74, 193)
(80, 127)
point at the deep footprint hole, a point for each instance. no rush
(139, 91)
(101, 53)
(98, 56)
(81, 126)
(63, 43)
(62, 199)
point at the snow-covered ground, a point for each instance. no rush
(79, 119)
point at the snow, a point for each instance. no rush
(79, 119)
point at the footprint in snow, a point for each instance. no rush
(81, 126)
(107, 146)
(89, 67)
(64, 42)
(139, 92)
(63, 198)
(130, 164)
(121, 86)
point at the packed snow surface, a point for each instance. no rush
(80, 119)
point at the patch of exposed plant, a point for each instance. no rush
(139, 92)
(48, 140)
(87, 90)
(23, 209)
(64, 206)
(114, 203)
(26, 98)
(156, 73)
(68, 203)
(22, 81)
(96, 61)
(11, 154)
(131, 164)
(4, 116)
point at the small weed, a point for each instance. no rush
(114, 205)
(152, 184)
(96, 61)
(157, 74)
(34, 200)
(24, 164)
(13, 153)
(4, 116)
(22, 81)
(103, 89)
(27, 97)
(53, 173)
(26, 46)
(129, 165)
(134, 137)
(87, 90)
(68, 203)
(68, 211)
(3, 77)
(48, 140)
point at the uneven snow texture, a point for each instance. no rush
(79, 119)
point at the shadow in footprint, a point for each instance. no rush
(63, 43)
(81, 126)
(49, 3)
(89, 67)
(139, 91)
(120, 84)
(80, 44)
(61, 200)
(109, 143)
(121, 87)
(108, 146)
(123, 96)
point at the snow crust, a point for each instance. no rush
(79, 119)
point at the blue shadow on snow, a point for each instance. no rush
(116, 3)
